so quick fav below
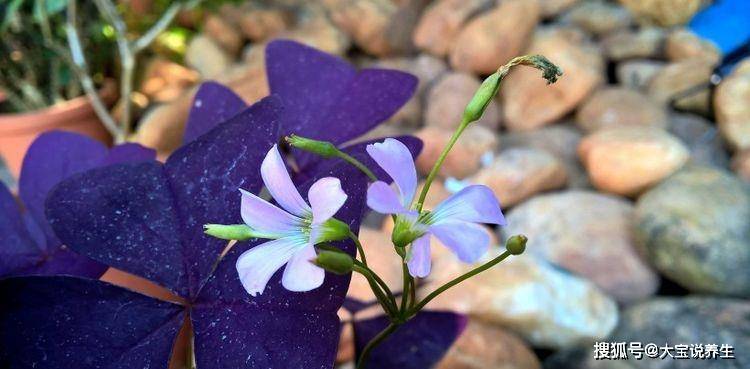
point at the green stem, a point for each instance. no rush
(405, 293)
(363, 168)
(379, 281)
(360, 249)
(387, 302)
(373, 343)
(439, 163)
(458, 280)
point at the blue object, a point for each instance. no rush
(725, 22)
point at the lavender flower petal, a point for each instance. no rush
(469, 241)
(326, 198)
(300, 274)
(383, 198)
(394, 157)
(265, 217)
(257, 265)
(280, 185)
(476, 204)
(420, 262)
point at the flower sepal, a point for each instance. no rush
(239, 232)
(332, 230)
(405, 232)
(323, 148)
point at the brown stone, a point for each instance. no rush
(681, 76)
(262, 24)
(589, 234)
(646, 42)
(626, 161)
(207, 57)
(620, 107)
(663, 12)
(732, 107)
(599, 17)
(741, 164)
(493, 38)
(162, 127)
(486, 346)
(638, 73)
(315, 29)
(164, 80)
(465, 158)
(442, 21)
(519, 173)
(447, 99)
(551, 8)
(684, 44)
(529, 103)
(224, 33)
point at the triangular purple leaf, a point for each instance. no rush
(69, 322)
(213, 104)
(17, 247)
(418, 344)
(326, 98)
(128, 153)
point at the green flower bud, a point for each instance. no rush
(404, 232)
(482, 98)
(239, 232)
(322, 148)
(516, 244)
(333, 230)
(334, 262)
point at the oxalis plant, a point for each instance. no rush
(298, 233)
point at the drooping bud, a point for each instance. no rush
(491, 85)
(332, 230)
(239, 232)
(322, 148)
(334, 261)
(516, 245)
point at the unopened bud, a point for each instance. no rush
(334, 262)
(322, 148)
(482, 98)
(404, 232)
(239, 232)
(516, 245)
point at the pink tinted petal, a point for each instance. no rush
(395, 158)
(326, 198)
(264, 217)
(420, 263)
(280, 185)
(257, 265)
(476, 204)
(300, 275)
(468, 241)
(382, 198)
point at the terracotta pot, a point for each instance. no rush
(17, 131)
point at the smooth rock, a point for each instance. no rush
(663, 12)
(598, 17)
(626, 161)
(162, 127)
(732, 108)
(638, 73)
(551, 8)
(695, 228)
(224, 33)
(367, 22)
(206, 56)
(615, 107)
(741, 164)
(164, 80)
(684, 44)
(485, 346)
(529, 103)
(516, 174)
(701, 137)
(465, 157)
(587, 233)
(546, 306)
(679, 77)
(559, 140)
(314, 28)
(646, 42)
(261, 24)
(447, 99)
(442, 21)
(495, 37)
(689, 320)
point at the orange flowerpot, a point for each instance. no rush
(17, 131)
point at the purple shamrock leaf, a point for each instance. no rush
(146, 219)
(324, 97)
(417, 344)
(29, 244)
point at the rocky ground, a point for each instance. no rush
(637, 207)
